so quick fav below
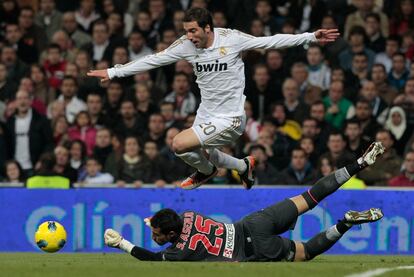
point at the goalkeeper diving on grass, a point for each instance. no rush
(194, 237)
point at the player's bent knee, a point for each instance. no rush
(178, 146)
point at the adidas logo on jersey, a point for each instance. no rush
(209, 67)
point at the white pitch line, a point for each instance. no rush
(379, 271)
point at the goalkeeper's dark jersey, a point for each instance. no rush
(203, 239)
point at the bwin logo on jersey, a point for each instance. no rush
(209, 67)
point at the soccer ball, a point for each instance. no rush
(50, 236)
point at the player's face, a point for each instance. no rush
(196, 34)
(159, 237)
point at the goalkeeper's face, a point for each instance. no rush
(161, 238)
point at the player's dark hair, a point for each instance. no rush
(202, 16)
(167, 220)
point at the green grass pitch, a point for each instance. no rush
(122, 265)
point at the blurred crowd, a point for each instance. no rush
(311, 109)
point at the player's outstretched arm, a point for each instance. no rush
(113, 239)
(322, 36)
(176, 51)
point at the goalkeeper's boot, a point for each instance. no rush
(197, 179)
(356, 218)
(248, 177)
(375, 150)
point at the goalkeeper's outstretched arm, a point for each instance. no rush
(114, 239)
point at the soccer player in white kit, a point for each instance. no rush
(215, 54)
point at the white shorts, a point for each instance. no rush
(218, 131)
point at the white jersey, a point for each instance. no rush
(219, 68)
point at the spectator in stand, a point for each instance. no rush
(45, 177)
(263, 11)
(86, 15)
(54, 66)
(8, 87)
(396, 123)
(16, 69)
(296, 108)
(398, 75)
(160, 166)
(392, 47)
(364, 8)
(70, 26)
(183, 99)
(219, 19)
(311, 129)
(299, 171)
(103, 146)
(260, 93)
(94, 176)
(252, 126)
(41, 91)
(363, 113)
(178, 17)
(356, 143)
(48, 18)
(402, 17)
(14, 175)
(266, 174)
(376, 41)
(356, 40)
(333, 49)
(286, 126)
(406, 178)
(137, 47)
(379, 77)
(95, 105)
(167, 111)
(379, 106)
(28, 133)
(156, 130)
(134, 167)
(337, 152)
(73, 105)
(130, 124)
(83, 130)
(27, 52)
(308, 145)
(109, 6)
(406, 101)
(60, 128)
(386, 166)
(145, 106)
(100, 47)
(338, 108)
(77, 150)
(358, 74)
(62, 166)
(32, 33)
(319, 73)
(27, 84)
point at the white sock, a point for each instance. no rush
(197, 159)
(332, 233)
(126, 246)
(221, 159)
